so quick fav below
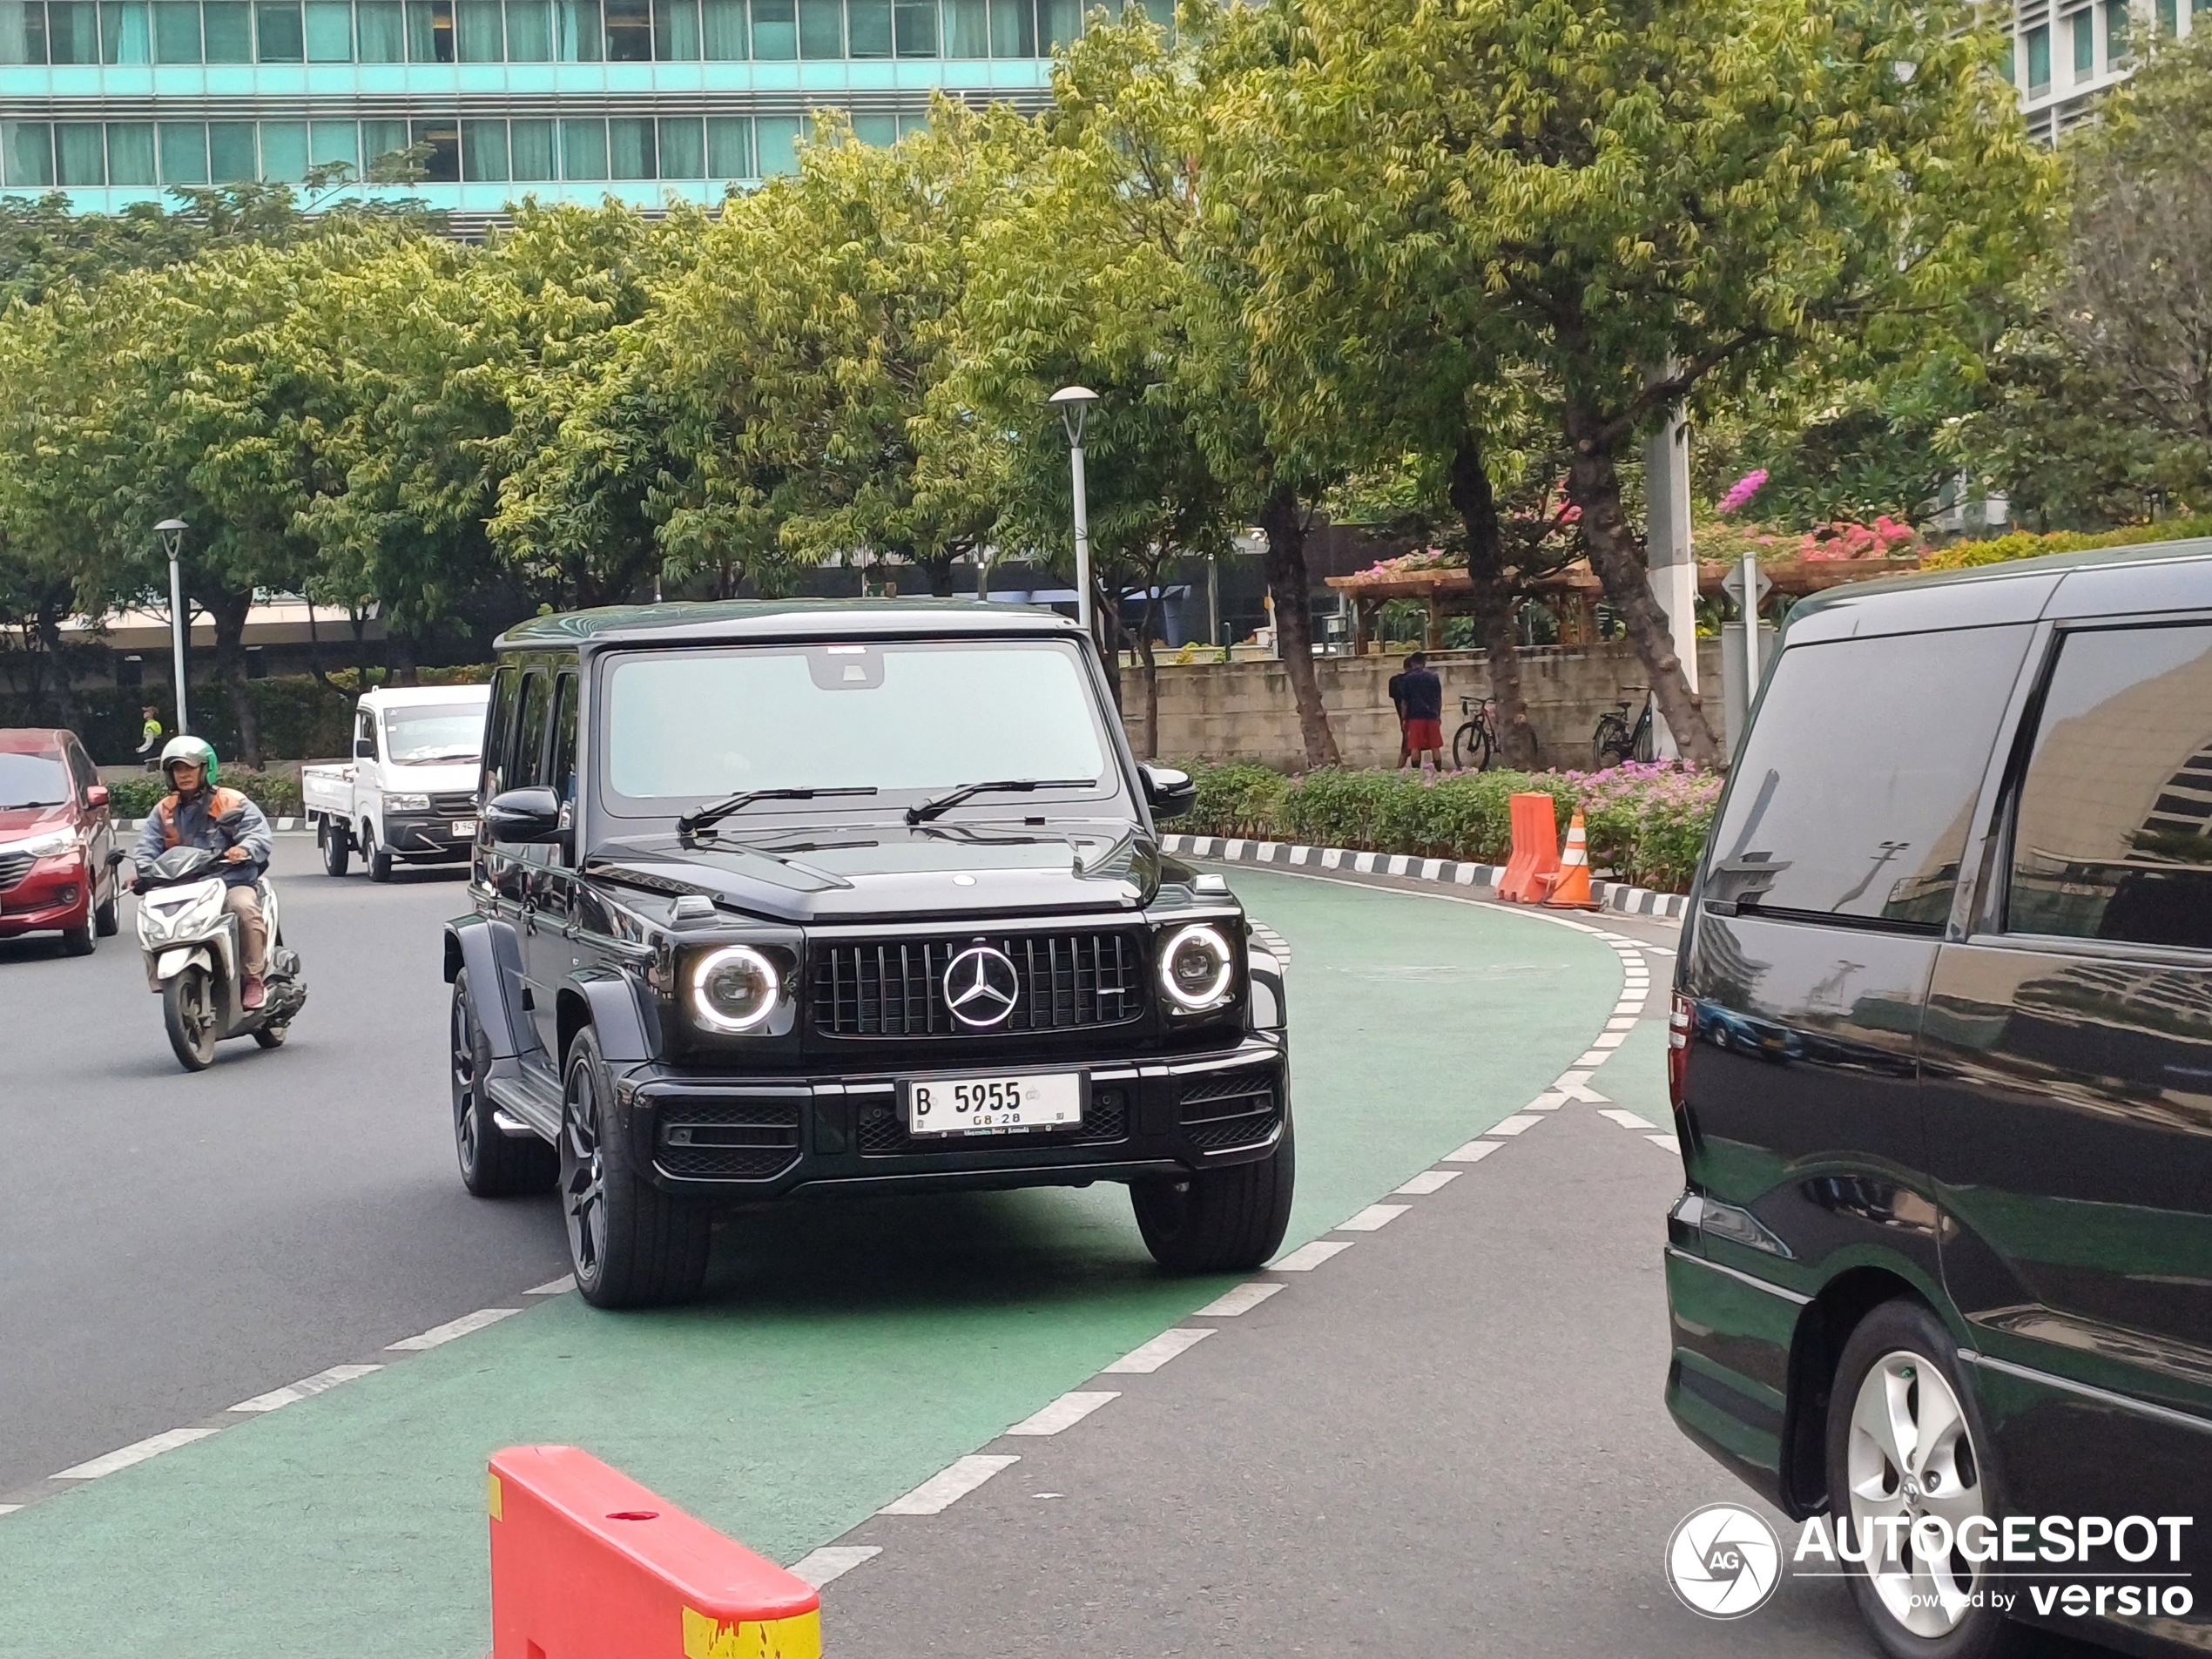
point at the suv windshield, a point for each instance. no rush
(33, 780)
(433, 732)
(918, 718)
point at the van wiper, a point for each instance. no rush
(714, 812)
(930, 809)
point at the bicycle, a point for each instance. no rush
(1615, 740)
(1476, 744)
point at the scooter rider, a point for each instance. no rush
(188, 818)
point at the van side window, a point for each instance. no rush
(2114, 835)
(529, 748)
(1850, 799)
(364, 735)
(499, 730)
(561, 774)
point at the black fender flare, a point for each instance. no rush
(493, 956)
(611, 1003)
(1269, 1004)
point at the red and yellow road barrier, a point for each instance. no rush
(587, 1564)
(1535, 849)
(1571, 888)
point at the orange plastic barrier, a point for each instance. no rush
(1571, 888)
(587, 1564)
(1535, 849)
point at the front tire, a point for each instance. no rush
(1219, 1221)
(376, 855)
(104, 917)
(630, 1244)
(1906, 1437)
(337, 848)
(188, 1011)
(493, 1165)
(272, 1037)
(77, 942)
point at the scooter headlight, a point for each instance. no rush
(196, 910)
(735, 989)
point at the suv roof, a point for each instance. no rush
(707, 621)
(2016, 591)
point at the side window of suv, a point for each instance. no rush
(499, 731)
(1851, 799)
(561, 774)
(530, 743)
(2113, 839)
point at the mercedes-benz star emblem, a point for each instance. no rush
(980, 986)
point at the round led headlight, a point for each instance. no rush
(734, 988)
(1196, 968)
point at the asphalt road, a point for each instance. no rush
(179, 1243)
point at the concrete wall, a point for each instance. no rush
(1243, 711)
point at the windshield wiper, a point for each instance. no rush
(25, 806)
(930, 809)
(714, 812)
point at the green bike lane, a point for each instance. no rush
(845, 1352)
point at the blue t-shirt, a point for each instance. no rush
(1420, 694)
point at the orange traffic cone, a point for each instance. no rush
(1572, 890)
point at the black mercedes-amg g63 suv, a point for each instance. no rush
(859, 896)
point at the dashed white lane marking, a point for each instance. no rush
(1306, 1257)
(1620, 1022)
(1625, 1118)
(9, 1508)
(949, 1486)
(1373, 1218)
(553, 1286)
(1608, 1040)
(123, 1457)
(1428, 1181)
(1064, 1412)
(1516, 1124)
(1550, 1100)
(1243, 1299)
(292, 1393)
(1665, 1143)
(832, 1561)
(1629, 1006)
(1594, 1058)
(1472, 1152)
(442, 1333)
(1139, 1362)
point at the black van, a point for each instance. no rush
(1941, 1061)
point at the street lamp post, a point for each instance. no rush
(1074, 402)
(171, 532)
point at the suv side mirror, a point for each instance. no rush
(95, 795)
(525, 816)
(1168, 793)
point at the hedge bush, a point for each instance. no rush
(2027, 544)
(274, 793)
(1647, 824)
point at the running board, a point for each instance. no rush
(518, 1108)
(513, 1128)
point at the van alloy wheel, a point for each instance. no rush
(1909, 1454)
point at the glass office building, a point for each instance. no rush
(115, 100)
(2067, 52)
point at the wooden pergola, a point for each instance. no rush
(1571, 593)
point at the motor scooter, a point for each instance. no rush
(193, 957)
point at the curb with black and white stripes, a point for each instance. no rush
(1610, 896)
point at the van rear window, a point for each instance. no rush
(1852, 799)
(2113, 837)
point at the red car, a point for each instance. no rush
(54, 840)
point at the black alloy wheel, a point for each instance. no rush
(492, 1163)
(630, 1245)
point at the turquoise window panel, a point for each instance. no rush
(126, 33)
(330, 31)
(130, 153)
(777, 137)
(2168, 17)
(2037, 43)
(532, 150)
(227, 27)
(630, 30)
(583, 150)
(441, 138)
(73, 31)
(1014, 29)
(722, 38)
(26, 154)
(967, 28)
(676, 30)
(683, 147)
(80, 154)
(529, 31)
(821, 28)
(867, 28)
(917, 29)
(278, 35)
(22, 31)
(429, 31)
(775, 29)
(578, 36)
(878, 132)
(380, 29)
(913, 124)
(729, 147)
(630, 148)
(480, 32)
(330, 142)
(231, 157)
(183, 152)
(1060, 23)
(483, 150)
(380, 140)
(284, 151)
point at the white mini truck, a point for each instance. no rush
(410, 792)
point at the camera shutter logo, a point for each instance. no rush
(981, 986)
(1723, 1561)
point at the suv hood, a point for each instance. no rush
(896, 873)
(20, 823)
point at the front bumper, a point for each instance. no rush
(423, 836)
(56, 892)
(744, 1137)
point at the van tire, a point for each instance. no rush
(337, 847)
(1219, 1221)
(1907, 1325)
(375, 856)
(630, 1245)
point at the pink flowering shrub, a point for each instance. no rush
(1846, 540)
(1741, 491)
(1646, 823)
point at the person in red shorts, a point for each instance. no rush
(1420, 696)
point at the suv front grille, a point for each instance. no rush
(1064, 983)
(726, 1139)
(13, 867)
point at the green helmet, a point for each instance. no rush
(192, 751)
